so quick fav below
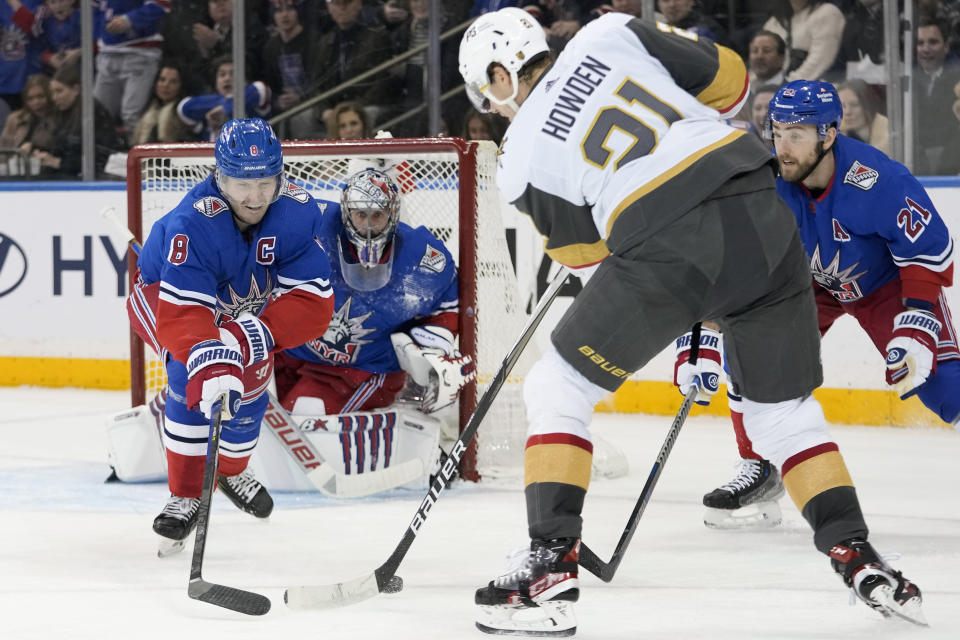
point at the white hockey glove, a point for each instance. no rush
(251, 335)
(213, 370)
(428, 355)
(707, 370)
(912, 353)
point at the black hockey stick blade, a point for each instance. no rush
(252, 604)
(384, 578)
(606, 570)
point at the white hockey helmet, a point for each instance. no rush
(510, 37)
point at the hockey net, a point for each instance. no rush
(448, 186)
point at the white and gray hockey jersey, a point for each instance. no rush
(623, 134)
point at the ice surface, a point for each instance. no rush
(77, 557)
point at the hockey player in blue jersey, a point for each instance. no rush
(878, 251)
(231, 275)
(396, 298)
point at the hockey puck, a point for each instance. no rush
(394, 586)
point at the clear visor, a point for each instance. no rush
(369, 274)
(478, 98)
(792, 132)
(251, 192)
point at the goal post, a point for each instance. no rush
(448, 186)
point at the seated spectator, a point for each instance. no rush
(19, 51)
(935, 127)
(862, 44)
(160, 122)
(63, 158)
(128, 55)
(210, 27)
(61, 33)
(349, 49)
(33, 125)
(205, 114)
(684, 15)
(767, 55)
(349, 121)
(482, 126)
(759, 105)
(860, 117)
(290, 64)
(811, 30)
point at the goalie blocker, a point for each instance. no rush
(384, 448)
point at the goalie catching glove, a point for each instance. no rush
(427, 354)
(912, 353)
(705, 373)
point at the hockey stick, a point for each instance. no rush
(319, 472)
(246, 602)
(588, 559)
(384, 578)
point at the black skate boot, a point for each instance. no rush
(536, 595)
(872, 580)
(247, 493)
(175, 523)
(757, 485)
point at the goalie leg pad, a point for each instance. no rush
(135, 447)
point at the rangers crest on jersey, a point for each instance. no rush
(341, 342)
(433, 260)
(293, 191)
(839, 282)
(210, 206)
(861, 176)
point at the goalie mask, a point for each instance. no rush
(370, 210)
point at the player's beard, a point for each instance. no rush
(798, 170)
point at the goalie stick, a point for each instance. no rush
(384, 578)
(588, 559)
(247, 602)
(319, 472)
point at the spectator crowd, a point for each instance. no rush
(164, 68)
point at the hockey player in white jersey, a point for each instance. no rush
(618, 153)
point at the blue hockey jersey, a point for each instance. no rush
(210, 272)
(422, 290)
(873, 224)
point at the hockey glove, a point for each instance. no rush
(705, 373)
(428, 355)
(912, 352)
(214, 370)
(251, 336)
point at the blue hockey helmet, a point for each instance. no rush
(805, 102)
(248, 148)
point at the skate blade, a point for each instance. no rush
(909, 610)
(760, 515)
(169, 547)
(549, 619)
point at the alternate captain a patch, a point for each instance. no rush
(433, 260)
(210, 206)
(861, 176)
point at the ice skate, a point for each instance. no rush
(747, 501)
(872, 580)
(247, 493)
(175, 523)
(535, 596)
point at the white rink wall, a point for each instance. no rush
(63, 280)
